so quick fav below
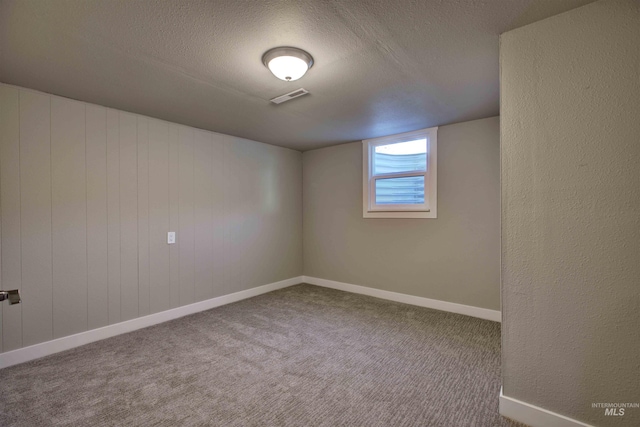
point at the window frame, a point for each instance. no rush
(427, 210)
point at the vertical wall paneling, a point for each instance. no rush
(218, 180)
(256, 187)
(97, 276)
(174, 213)
(68, 217)
(226, 222)
(113, 215)
(35, 215)
(159, 275)
(10, 251)
(88, 194)
(128, 216)
(232, 223)
(143, 216)
(243, 204)
(244, 215)
(186, 216)
(202, 215)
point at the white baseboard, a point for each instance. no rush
(482, 313)
(47, 348)
(534, 416)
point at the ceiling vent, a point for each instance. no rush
(289, 96)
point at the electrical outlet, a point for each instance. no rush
(171, 237)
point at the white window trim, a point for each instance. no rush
(429, 210)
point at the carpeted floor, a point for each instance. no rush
(301, 356)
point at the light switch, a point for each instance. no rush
(171, 237)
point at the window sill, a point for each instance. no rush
(406, 214)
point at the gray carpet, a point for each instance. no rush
(301, 356)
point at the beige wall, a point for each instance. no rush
(88, 194)
(454, 258)
(571, 211)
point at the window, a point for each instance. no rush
(399, 175)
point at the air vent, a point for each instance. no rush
(288, 96)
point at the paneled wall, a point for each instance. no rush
(88, 194)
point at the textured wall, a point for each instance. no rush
(571, 211)
(87, 195)
(454, 258)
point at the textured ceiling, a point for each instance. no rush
(381, 66)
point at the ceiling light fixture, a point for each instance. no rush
(287, 63)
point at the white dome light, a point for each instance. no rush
(287, 63)
(288, 68)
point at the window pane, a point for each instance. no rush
(407, 156)
(400, 191)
